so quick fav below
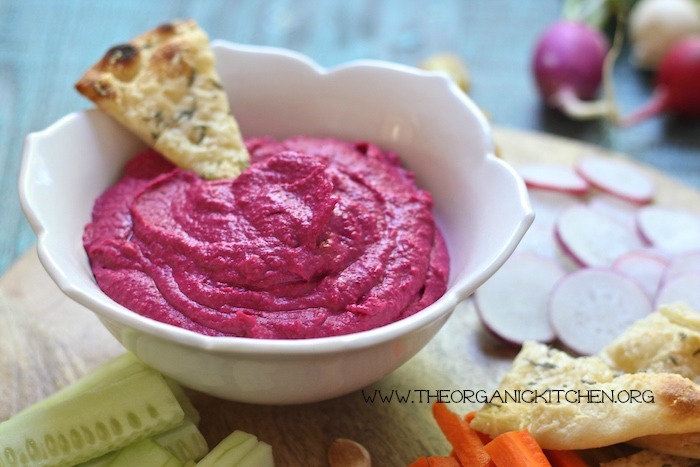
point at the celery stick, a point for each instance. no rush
(259, 456)
(114, 370)
(145, 453)
(92, 424)
(230, 450)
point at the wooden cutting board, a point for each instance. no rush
(47, 341)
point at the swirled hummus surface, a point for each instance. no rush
(318, 237)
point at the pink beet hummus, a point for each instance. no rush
(318, 237)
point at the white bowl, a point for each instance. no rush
(480, 204)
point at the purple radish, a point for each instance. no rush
(646, 269)
(677, 90)
(591, 307)
(553, 177)
(568, 66)
(592, 238)
(683, 288)
(617, 178)
(512, 304)
(672, 230)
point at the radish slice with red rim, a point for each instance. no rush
(539, 238)
(616, 177)
(590, 307)
(548, 205)
(673, 230)
(512, 304)
(617, 208)
(646, 269)
(592, 238)
(683, 288)
(681, 264)
(553, 177)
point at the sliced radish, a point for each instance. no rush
(683, 288)
(512, 304)
(617, 208)
(592, 238)
(553, 177)
(590, 307)
(617, 177)
(548, 205)
(681, 264)
(646, 269)
(673, 230)
(539, 238)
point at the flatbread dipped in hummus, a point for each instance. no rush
(162, 85)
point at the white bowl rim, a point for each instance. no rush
(111, 311)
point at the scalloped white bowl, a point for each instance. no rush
(480, 203)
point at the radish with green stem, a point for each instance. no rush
(677, 88)
(569, 65)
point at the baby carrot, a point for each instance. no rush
(482, 436)
(466, 445)
(422, 461)
(564, 458)
(443, 461)
(516, 449)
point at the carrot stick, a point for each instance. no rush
(468, 448)
(564, 458)
(482, 436)
(422, 461)
(516, 449)
(443, 461)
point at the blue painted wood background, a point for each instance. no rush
(46, 45)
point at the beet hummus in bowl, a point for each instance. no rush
(372, 206)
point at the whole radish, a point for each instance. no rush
(677, 88)
(655, 25)
(568, 66)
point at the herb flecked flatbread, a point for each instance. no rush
(599, 411)
(651, 459)
(667, 341)
(162, 85)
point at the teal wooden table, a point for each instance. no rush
(46, 45)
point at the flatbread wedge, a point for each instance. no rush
(163, 86)
(667, 341)
(599, 410)
(650, 459)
